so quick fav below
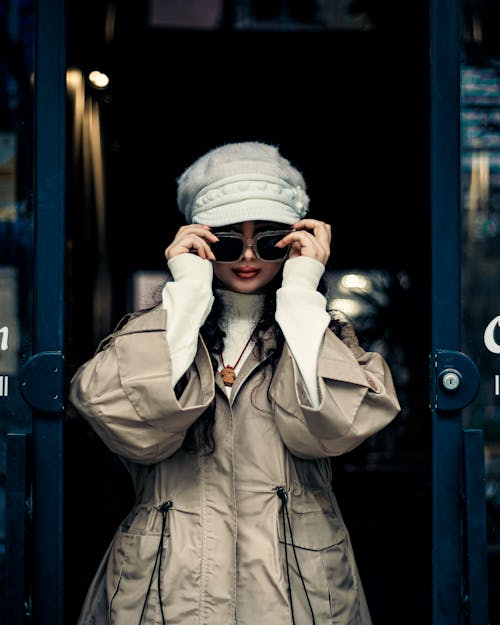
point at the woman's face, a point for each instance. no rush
(250, 274)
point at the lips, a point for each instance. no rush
(246, 273)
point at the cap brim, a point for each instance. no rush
(247, 210)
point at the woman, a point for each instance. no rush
(225, 403)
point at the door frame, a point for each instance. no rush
(459, 571)
(43, 374)
(447, 565)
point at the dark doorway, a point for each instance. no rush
(349, 107)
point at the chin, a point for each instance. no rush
(247, 288)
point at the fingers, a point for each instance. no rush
(315, 244)
(321, 230)
(194, 239)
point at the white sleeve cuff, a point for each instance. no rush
(188, 299)
(191, 267)
(303, 272)
(302, 316)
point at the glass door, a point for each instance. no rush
(480, 189)
(32, 244)
(16, 303)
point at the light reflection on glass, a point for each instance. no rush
(349, 307)
(355, 281)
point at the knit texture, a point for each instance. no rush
(240, 182)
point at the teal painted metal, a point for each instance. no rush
(50, 169)
(459, 540)
(445, 398)
(447, 561)
(41, 382)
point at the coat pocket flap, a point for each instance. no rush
(311, 530)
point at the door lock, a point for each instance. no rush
(450, 379)
(455, 380)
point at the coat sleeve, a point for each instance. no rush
(357, 399)
(126, 395)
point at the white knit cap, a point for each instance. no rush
(241, 182)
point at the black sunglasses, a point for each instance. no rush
(231, 246)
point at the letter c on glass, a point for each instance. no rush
(489, 336)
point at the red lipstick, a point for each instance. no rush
(246, 273)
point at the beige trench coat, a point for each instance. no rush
(251, 532)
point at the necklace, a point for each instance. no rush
(227, 372)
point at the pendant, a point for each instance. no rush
(228, 376)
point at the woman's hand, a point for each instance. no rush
(192, 239)
(311, 238)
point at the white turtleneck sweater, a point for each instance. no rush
(300, 312)
(242, 312)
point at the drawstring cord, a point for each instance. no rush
(280, 491)
(164, 508)
(282, 494)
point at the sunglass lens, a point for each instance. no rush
(227, 249)
(267, 250)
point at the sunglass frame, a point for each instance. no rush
(253, 244)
